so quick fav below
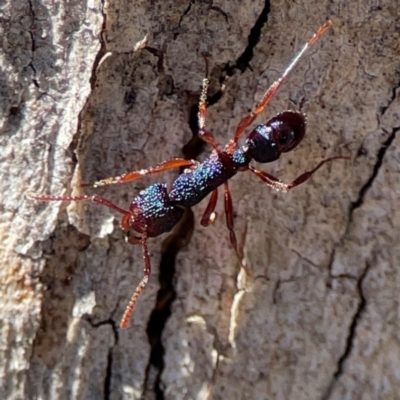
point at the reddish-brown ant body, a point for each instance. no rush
(157, 210)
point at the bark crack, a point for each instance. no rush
(351, 334)
(92, 80)
(220, 11)
(160, 57)
(364, 189)
(33, 44)
(109, 367)
(107, 380)
(196, 145)
(392, 99)
(243, 61)
(380, 156)
(186, 12)
(162, 309)
(103, 48)
(354, 205)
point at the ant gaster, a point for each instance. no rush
(157, 210)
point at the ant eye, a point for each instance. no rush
(286, 136)
(289, 129)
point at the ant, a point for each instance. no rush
(157, 210)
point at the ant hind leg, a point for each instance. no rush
(277, 184)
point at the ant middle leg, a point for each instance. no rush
(131, 176)
(277, 184)
(269, 94)
(209, 215)
(230, 224)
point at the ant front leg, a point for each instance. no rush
(277, 184)
(131, 176)
(269, 94)
(147, 272)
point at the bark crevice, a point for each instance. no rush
(166, 295)
(351, 333)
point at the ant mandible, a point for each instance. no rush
(157, 210)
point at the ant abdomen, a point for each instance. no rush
(280, 134)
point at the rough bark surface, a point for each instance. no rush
(319, 316)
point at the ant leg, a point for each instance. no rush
(229, 216)
(277, 184)
(133, 239)
(209, 215)
(204, 134)
(230, 224)
(126, 229)
(269, 94)
(94, 199)
(131, 176)
(125, 223)
(147, 272)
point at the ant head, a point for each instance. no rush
(280, 134)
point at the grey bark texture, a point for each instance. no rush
(91, 90)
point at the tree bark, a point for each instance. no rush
(91, 90)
